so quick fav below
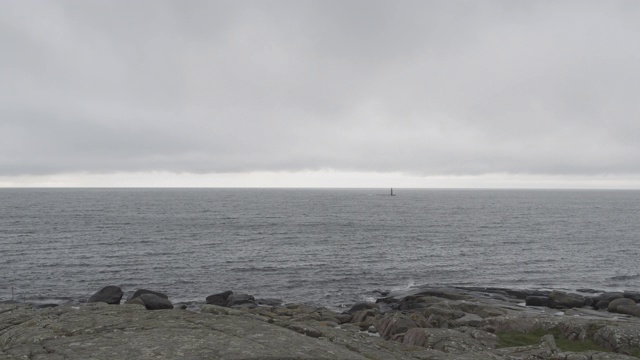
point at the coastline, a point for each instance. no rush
(419, 323)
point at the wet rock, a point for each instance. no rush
(240, 299)
(562, 300)
(536, 301)
(111, 294)
(613, 305)
(362, 306)
(633, 295)
(418, 302)
(219, 299)
(155, 302)
(139, 292)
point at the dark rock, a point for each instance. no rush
(109, 294)
(387, 300)
(633, 295)
(632, 310)
(418, 302)
(343, 318)
(602, 304)
(219, 299)
(239, 299)
(588, 301)
(155, 302)
(44, 306)
(613, 305)
(606, 297)
(536, 301)
(562, 300)
(382, 292)
(393, 324)
(139, 292)
(362, 306)
(588, 291)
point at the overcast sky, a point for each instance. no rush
(320, 93)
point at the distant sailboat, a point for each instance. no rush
(392, 192)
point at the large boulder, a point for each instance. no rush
(633, 310)
(111, 294)
(155, 302)
(613, 305)
(139, 292)
(241, 300)
(219, 299)
(562, 300)
(602, 301)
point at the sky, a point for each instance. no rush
(349, 93)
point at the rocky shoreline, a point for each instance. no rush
(418, 323)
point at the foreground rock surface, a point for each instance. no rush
(420, 323)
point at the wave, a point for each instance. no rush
(625, 277)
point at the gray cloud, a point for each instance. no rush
(421, 87)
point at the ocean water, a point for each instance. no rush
(322, 246)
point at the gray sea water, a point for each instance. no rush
(322, 246)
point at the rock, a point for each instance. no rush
(418, 302)
(240, 299)
(482, 310)
(633, 295)
(362, 306)
(109, 294)
(602, 304)
(363, 315)
(155, 302)
(343, 318)
(549, 342)
(536, 301)
(471, 320)
(269, 302)
(219, 299)
(139, 292)
(128, 332)
(602, 301)
(135, 301)
(450, 341)
(305, 330)
(632, 310)
(562, 300)
(393, 324)
(613, 305)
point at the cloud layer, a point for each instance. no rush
(416, 87)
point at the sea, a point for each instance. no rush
(328, 247)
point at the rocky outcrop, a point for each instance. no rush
(139, 292)
(241, 300)
(219, 299)
(109, 294)
(562, 300)
(463, 325)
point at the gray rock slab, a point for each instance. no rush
(129, 332)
